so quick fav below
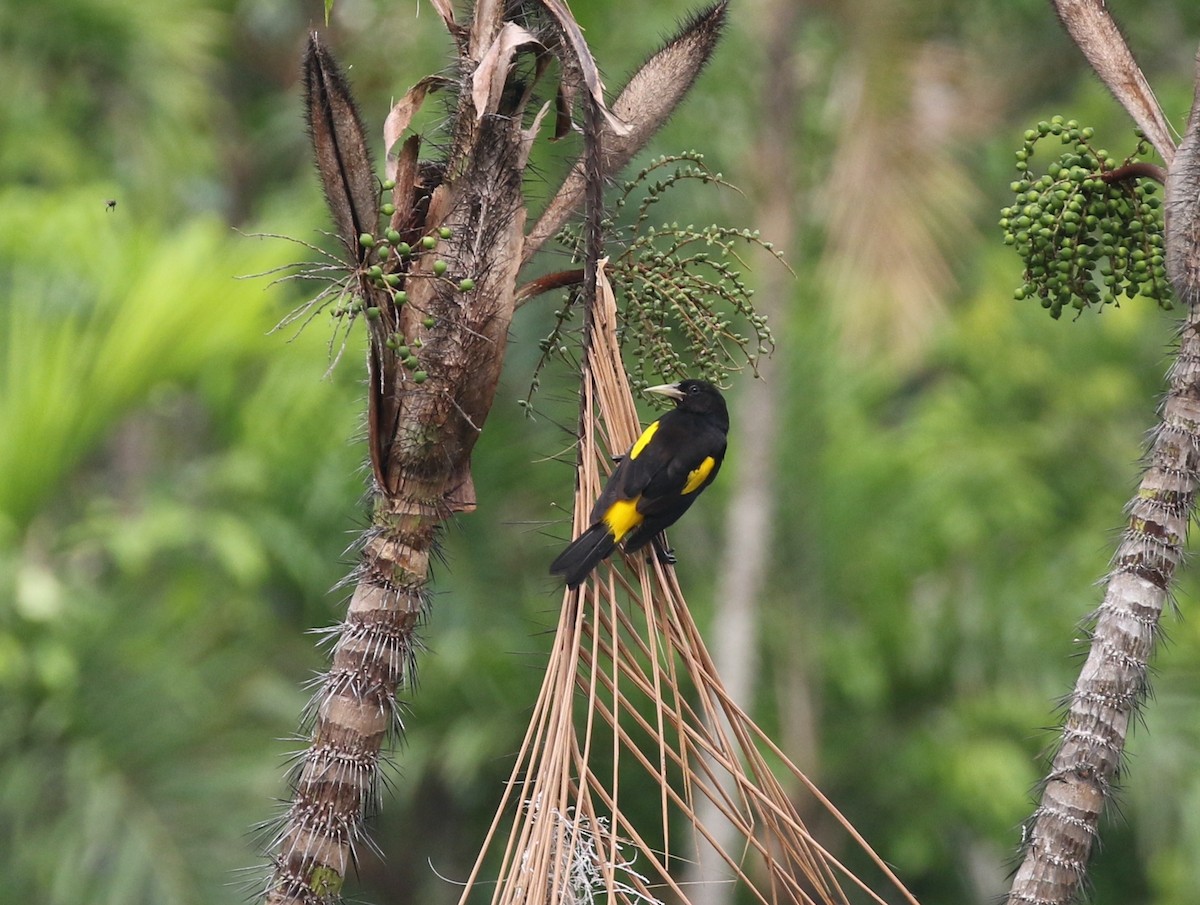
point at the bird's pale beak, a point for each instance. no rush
(667, 389)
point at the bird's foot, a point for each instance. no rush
(662, 552)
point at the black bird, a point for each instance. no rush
(673, 460)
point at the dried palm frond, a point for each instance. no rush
(630, 688)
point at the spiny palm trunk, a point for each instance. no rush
(421, 433)
(1114, 680)
(438, 320)
(355, 709)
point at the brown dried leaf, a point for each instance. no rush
(381, 374)
(529, 135)
(487, 84)
(446, 10)
(487, 17)
(405, 175)
(564, 101)
(643, 105)
(440, 203)
(582, 59)
(340, 143)
(461, 496)
(402, 113)
(1094, 32)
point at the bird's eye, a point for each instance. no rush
(693, 389)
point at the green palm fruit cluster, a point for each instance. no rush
(1087, 233)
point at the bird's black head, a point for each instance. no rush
(697, 396)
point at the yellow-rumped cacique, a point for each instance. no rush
(656, 482)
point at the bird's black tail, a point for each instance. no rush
(583, 555)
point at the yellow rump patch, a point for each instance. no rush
(699, 475)
(644, 439)
(622, 517)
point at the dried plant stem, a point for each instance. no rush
(1136, 170)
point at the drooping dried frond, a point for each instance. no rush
(630, 690)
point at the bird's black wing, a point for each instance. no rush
(692, 457)
(644, 461)
(691, 452)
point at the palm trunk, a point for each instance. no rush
(448, 306)
(421, 433)
(355, 709)
(1114, 680)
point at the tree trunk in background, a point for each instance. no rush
(750, 517)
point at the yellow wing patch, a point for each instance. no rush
(699, 475)
(644, 439)
(622, 517)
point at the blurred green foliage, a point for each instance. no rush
(179, 486)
